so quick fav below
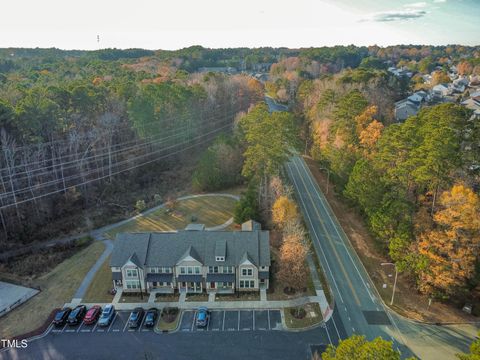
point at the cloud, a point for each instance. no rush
(399, 15)
(439, 1)
(416, 5)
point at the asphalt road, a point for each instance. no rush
(358, 305)
(274, 106)
(117, 342)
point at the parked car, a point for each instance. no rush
(76, 315)
(61, 316)
(203, 316)
(107, 315)
(135, 318)
(92, 315)
(151, 317)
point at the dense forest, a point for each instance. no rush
(71, 121)
(413, 182)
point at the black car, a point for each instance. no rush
(151, 317)
(61, 316)
(76, 315)
(135, 318)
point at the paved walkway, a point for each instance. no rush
(186, 305)
(313, 272)
(91, 273)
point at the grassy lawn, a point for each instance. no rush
(197, 297)
(239, 296)
(98, 291)
(58, 287)
(133, 298)
(208, 210)
(167, 297)
(311, 312)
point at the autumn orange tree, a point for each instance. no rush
(293, 272)
(449, 252)
(284, 210)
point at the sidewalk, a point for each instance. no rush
(188, 305)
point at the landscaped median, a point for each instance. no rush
(169, 319)
(303, 317)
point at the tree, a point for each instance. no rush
(140, 206)
(464, 68)
(439, 77)
(449, 252)
(247, 208)
(356, 347)
(269, 139)
(293, 271)
(283, 211)
(474, 351)
(370, 135)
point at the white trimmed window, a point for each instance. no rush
(131, 272)
(247, 272)
(132, 284)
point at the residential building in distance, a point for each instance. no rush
(192, 261)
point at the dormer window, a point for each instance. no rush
(219, 258)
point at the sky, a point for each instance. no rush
(167, 24)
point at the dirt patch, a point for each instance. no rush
(408, 301)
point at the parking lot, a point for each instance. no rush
(228, 320)
(119, 324)
(235, 320)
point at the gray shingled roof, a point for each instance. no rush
(263, 275)
(221, 277)
(159, 277)
(190, 278)
(128, 244)
(116, 275)
(167, 248)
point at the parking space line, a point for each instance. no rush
(238, 327)
(50, 327)
(253, 319)
(209, 326)
(116, 314)
(193, 321)
(223, 324)
(126, 323)
(268, 316)
(81, 324)
(95, 327)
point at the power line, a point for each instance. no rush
(105, 176)
(68, 178)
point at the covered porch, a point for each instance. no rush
(190, 283)
(160, 283)
(221, 283)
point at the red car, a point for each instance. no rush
(92, 315)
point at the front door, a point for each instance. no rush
(212, 285)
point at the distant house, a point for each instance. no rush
(218, 69)
(404, 109)
(441, 90)
(459, 85)
(473, 103)
(191, 261)
(403, 72)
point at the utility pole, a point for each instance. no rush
(395, 282)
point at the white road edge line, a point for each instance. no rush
(315, 233)
(348, 252)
